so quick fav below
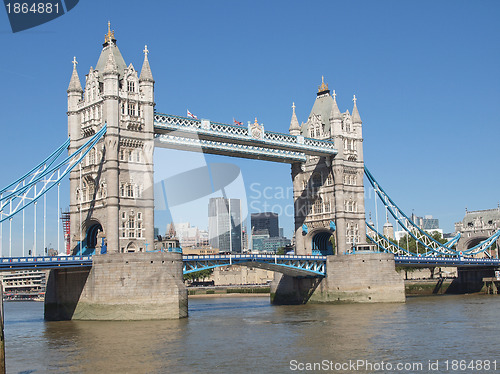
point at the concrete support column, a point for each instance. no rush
(129, 286)
(361, 278)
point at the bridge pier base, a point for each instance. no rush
(119, 286)
(470, 279)
(359, 278)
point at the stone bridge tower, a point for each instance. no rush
(329, 193)
(111, 203)
(477, 226)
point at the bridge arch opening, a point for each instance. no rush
(475, 241)
(321, 243)
(91, 236)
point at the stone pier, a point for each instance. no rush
(470, 279)
(359, 278)
(119, 286)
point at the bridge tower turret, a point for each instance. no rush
(329, 193)
(112, 193)
(147, 104)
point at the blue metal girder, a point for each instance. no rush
(294, 265)
(446, 261)
(48, 174)
(420, 235)
(44, 262)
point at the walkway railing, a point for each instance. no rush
(251, 142)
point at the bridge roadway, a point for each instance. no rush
(293, 265)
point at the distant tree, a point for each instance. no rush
(197, 275)
(281, 251)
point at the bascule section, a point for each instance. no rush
(111, 203)
(329, 191)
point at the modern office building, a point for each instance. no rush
(265, 221)
(224, 224)
(272, 245)
(426, 223)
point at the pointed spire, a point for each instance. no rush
(355, 114)
(294, 123)
(109, 38)
(111, 67)
(74, 83)
(323, 88)
(335, 113)
(146, 74)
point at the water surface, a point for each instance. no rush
(243, 335)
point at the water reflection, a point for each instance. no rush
(240, 335)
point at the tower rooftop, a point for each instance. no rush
(110, 46)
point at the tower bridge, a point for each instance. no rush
(113, 130)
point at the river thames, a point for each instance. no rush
(248, 335)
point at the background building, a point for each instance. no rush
(426, 223)
(224, 224)
(189, 236)
(265, 221)
(267, 236)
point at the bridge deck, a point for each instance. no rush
(445, 261)
(294, 265)
(239, 141)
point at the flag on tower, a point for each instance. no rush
(191, 114)
(237, 122)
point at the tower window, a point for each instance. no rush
(131, 222)
(329, 180)
(318, 206)
(130, 190)
(130, 86)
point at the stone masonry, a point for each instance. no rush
(130, 286)
(360, 278)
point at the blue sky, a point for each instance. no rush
(426, 75)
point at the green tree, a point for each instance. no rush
(281, 251)
(197, 275)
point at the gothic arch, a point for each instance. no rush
(318, 241)
(131, 247)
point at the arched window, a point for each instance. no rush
(329, 180)
(131, 222)
(327, 206)
(130, 190)
(84, 191)
(318, 206)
